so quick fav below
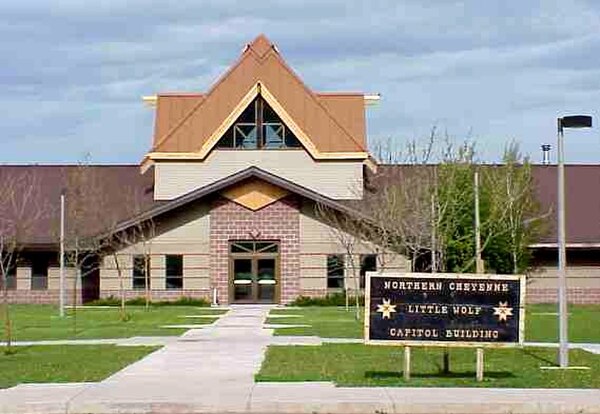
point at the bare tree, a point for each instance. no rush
(350, 231)
(21, 209)
(136, 233)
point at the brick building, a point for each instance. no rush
(230, 187)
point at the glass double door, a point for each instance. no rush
(254, 275)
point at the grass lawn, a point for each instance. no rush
(334, 322)
(77, 363)
(38, 322)
(359, 365)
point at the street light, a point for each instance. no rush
(575, 121)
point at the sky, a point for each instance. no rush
(73, 72)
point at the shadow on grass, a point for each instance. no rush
(539, 358)
(452, 375)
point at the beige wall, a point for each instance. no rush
(318, 240)
(577, 277)
(23, 278)
(186, 234)
(335, 179)
(54, 277)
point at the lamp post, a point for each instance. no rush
(575, 121)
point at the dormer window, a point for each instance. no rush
(259, 127)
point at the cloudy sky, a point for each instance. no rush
(73, 72)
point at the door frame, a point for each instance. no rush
(254, 257)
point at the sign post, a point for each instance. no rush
(444, 309)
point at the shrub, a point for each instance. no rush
(333, 299)
(141, 301)
(108, 301)
(183, 301)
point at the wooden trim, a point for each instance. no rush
(214, 138)
(254, 258)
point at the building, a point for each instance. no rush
(230, 187)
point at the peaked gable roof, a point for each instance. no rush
(333, 123)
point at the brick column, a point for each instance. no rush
(278, 221)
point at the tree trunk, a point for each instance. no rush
(147, 280)
(7, 321)
(77, 274)
(121, 287)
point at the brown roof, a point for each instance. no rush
(113, 189)
(332, 122)
(106, 192)
(582, 205)
(582, 199)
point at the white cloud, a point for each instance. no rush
(489, 69)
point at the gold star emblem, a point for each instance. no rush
(503, 311)
(386, 309)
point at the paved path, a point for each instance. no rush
(211, 370)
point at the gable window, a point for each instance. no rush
(174, 272)
(141, 271)
(335, 271)
(258, 127)
(368, 263)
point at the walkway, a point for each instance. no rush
(211, 370)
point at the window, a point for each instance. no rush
(335, 271)
(39, 274)
(11, 277)
(141, 268)
(174, 271)
(368, 263)
(258, 127)
(254, 247)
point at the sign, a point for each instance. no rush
(444, 309)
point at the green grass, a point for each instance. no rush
(78, 363)
(336, 322)
(41, 322)
(361, 365)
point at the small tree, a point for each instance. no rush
(21, 209)
(350, 232)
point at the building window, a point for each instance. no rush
(368, 263)
(258, 127)
(174, 273)
(39, 274)
(141, 271)
(335, 271)
(11, 277)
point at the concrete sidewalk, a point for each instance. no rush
(211, 370)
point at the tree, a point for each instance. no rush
(512, 182)
(21, 209)
(101, 223)
(351, 232)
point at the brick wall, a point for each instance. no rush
(277, 221)
(578, 296)
(47, 297)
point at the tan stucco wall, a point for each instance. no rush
(23, 278)
(54, 277)
(577, 277)
(318, 240)
(335, 179)
(186, 234)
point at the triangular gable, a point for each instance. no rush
(220, 186)
(260, 65)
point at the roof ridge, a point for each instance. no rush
(318, 101)
(206, 95)
(250, 51)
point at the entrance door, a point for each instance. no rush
(254, 272)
